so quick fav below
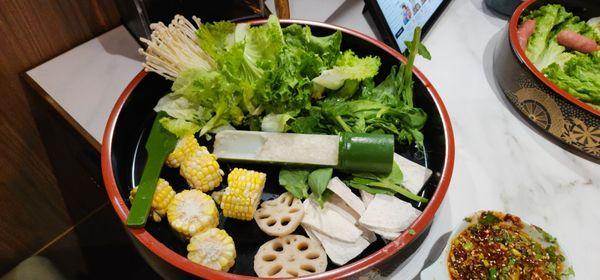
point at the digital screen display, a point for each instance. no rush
(402, 16)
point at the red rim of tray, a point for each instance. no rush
(419, 225)
(514, 42)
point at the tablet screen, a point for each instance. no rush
(402, 16)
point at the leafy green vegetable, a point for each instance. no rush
(367, 188)
(295, 182)
(179, 107)
(267, 78)
(386, 184)
(310, 124)
(348, 67)
(542, 45)
(577, 73)
(204, 98)
(302, 58)
(179, 127)
(317, 181)
(414, 47)
(385, 108)
(580, 76)
(275, 122)
(422, 50)
(215, 38)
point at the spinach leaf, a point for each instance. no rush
(385, 184)
(295, 182)
(317, 181)
(371, 190)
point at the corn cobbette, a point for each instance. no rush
(201, 170)
(242, 196)
(191, 212)
(185, 146)
(160, 201)
(213, 248)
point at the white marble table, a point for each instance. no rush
(501, 163)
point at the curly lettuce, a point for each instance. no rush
(580, 76)
(349, 67)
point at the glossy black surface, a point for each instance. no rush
(136, 117)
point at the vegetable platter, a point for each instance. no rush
(547, 63)
(286, 148)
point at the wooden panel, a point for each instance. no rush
(32, 210)
(74, 160)
(97, 248)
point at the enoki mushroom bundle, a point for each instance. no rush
(173, 48)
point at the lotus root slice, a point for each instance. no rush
(280, 216)
(290, 256)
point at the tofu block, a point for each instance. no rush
(311, 234)
(387, 235)
(329, 222)
(415, 175)
(368, 234)
(345, 193)
(388, 213)
(366, 198)
(338, 251)
(335, 203)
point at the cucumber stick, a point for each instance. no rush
(348, 151)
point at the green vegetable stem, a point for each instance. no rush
(383, 184)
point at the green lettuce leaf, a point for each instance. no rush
(204, 98)
(179, 127)
(543, 48)
(580, 76)
(383, 108)
(302, 58)
(216, 38)
(543, 42)
(275, 122)
(348, 67)
(177, 106)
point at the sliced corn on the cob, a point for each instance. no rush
(163, 195)
(242, 195)
(213, 248)
(192, 211)
(201, 170)
(217, 196)
(185, 146)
